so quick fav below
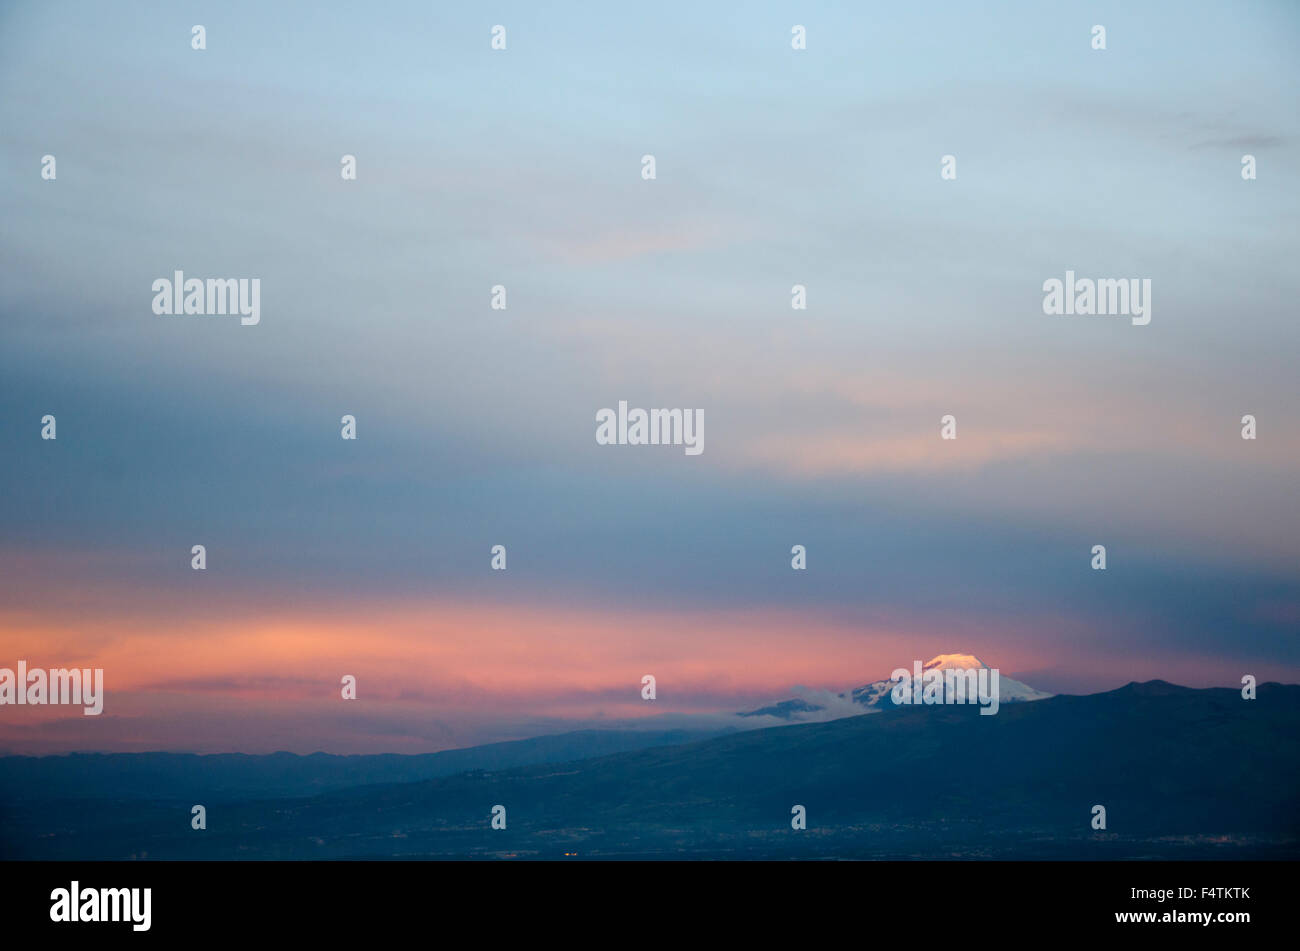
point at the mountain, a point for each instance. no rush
(227, 776)
(871, 696)
(1182, 773)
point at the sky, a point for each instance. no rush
(475, 427)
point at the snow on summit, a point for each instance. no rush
(873, 696)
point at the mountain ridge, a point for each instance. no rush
(921, 781)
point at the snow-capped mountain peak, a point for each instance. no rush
(876, 695)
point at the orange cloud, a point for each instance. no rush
(438, 674)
